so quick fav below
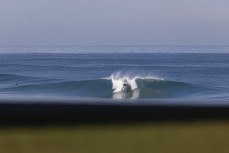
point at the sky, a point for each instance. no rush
(114, 22)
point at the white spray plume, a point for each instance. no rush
(119, 78)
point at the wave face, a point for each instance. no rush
(141, 87)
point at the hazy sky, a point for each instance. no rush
(114, 22)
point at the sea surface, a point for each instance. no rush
(189, 75)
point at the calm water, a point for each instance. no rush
(149, 76)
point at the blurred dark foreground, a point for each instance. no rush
(90, 128)
(19, 113)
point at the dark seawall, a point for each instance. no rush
(21, 113)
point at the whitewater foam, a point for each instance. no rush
(119, 78)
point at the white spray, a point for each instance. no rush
(119, 78)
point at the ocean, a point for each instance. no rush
(184, 75)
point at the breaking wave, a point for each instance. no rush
(141, 87)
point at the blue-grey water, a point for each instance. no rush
(101, 76)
